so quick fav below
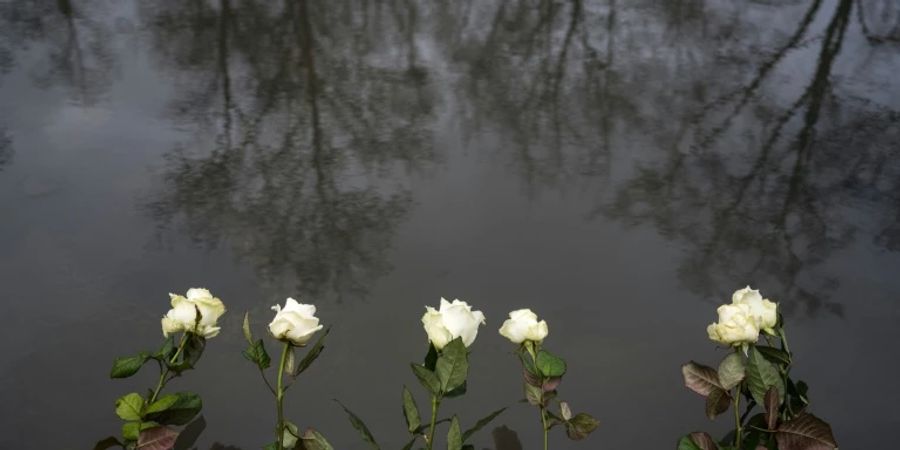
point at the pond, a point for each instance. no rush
(618, 166)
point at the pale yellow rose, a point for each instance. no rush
(451, 321)
(736, 326)
(184, 313)
(522, 326)
(764, 312)
(296, 322)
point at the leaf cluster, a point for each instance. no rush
(443, 375)
(542, 372)
(775, 416)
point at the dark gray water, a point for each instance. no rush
(619, 166)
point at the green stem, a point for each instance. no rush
(164, 370)
(435, 404)
(279, 398)
(533, 349)
(544, 423)
(737, 416)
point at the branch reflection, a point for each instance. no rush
(72, 39)
(302, 132)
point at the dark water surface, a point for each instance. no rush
(619, 166)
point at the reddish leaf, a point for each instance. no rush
(700, 379)
(717, 402)
(157, 438)
(704, 441)
(773, 401)
(806, 432)
(531, 378)
(550, 384)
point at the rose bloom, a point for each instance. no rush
(451, 321)
(522, 326)
(736, 326)
(295, 323)
(764, 312)
(183, 315)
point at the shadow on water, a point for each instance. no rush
(74, 47)
(300, 128)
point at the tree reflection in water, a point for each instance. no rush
(776, 218)
(6, 149)
(74, 46)
(302, 128)
(755, 188)
(307, 111)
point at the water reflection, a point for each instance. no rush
(300, 133)
(538, 78)
(305, 115)
(74, 47)
(6, 148)
(777, 217)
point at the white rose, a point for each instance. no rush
(183, 315)
(296, 322)
(763, 311)
(451, 321)
(522, 326)
(736, 326)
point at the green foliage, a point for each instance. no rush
(312, 353)
(193, 350)
(452, 365)
(717, 402)
(774, 355)
(763, 379)
(108, 443)
(361, 427)
(130, 406)
(132, 430)
(313, 440)
(290, 435)
(411, 411)
(245, 327)
(127, 366)
(257, 354)
(174, 409)
(580, 426)
(731, 371)
(550, 365)
(762, 375)
(427, 378)
(454, 435)
(697, 441)
(481, 424)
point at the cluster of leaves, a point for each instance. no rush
(761, 376)
(256, 353)
(542, 372)
(151, 419)
(443, 374)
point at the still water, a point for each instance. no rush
(619, 166)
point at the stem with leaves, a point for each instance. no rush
(164, 369)
(533, 348)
